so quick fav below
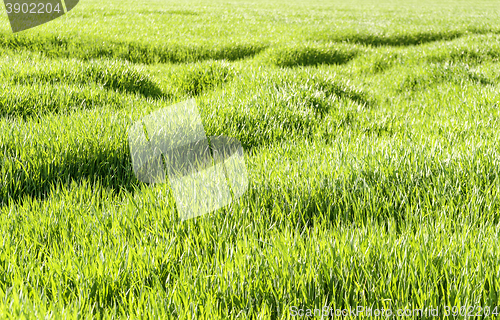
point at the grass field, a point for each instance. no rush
(371, 132)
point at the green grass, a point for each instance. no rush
(371, 133)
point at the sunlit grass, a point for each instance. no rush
(372, 152)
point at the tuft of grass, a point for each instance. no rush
(115, 75)
(267, 107)
(196, 78)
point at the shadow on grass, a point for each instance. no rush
(310, 55)
(112, 172)
(396, 39)
(136, 52)
(194, 79)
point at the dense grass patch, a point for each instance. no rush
(283, 106)
(372, 155)
(75, 145)
(121, 243)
